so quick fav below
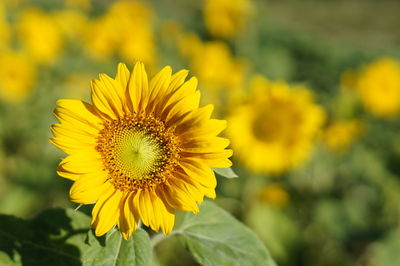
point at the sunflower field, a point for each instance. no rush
(205, 132)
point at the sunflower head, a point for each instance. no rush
(341, 134)
(141, 150)
(378, 86)
(273, 132)
(17, 76)
(226, 18)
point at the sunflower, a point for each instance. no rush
(36, 28)
(341, 134)
(377, 85)
(226, 18)
(18, 75)
(274, 131)
(141, 151)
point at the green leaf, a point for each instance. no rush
(63, 237)
(226, 172)
(214, 237)
(52, 238)
(112, 249)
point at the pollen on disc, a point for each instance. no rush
(137, 151)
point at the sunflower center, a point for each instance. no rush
(277, 123)
(137, 151)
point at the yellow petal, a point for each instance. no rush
(212, 159)
(138, 87)
(102, 100)
(69, 146)
(80, 109)
(177, 80)
(123, 77)
(187, 89)
(196, 189)
(204, 144)
(158, 87)
(177, 197)
(146, 208)
(182, 107)
(114, 93)
(88, 190)
(165, 217)
(76, 131)
(106, 215)
(210, 127)
(194, 118)
(66, 174)
(127, 223)
(142, 214)
(199, 172)
(82, 163)
(63, 133)
(78, 114)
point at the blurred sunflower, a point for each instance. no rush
(339, 135)
(142, 150)
(378, 86)
(98, 38)
(112, 33)
(274, 131)
(225, 18)
(135, 44)
(215, 66)
(17, 76)
(40, 35)
(189, 43)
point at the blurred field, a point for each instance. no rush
(319, 169)
(364, 24)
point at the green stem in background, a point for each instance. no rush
(158, 238)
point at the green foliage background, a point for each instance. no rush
(343, 209)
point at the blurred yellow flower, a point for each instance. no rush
(340, 135)
(274, 194)
(142, 150)
(220, 73)
(274, 131)
(189, 44)
(40, 35)
(125, 29)
(215, 66)
(225, 18)
(17, 76)
(99, 38)
(133, 23)
(139, 45)
(378, 86)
